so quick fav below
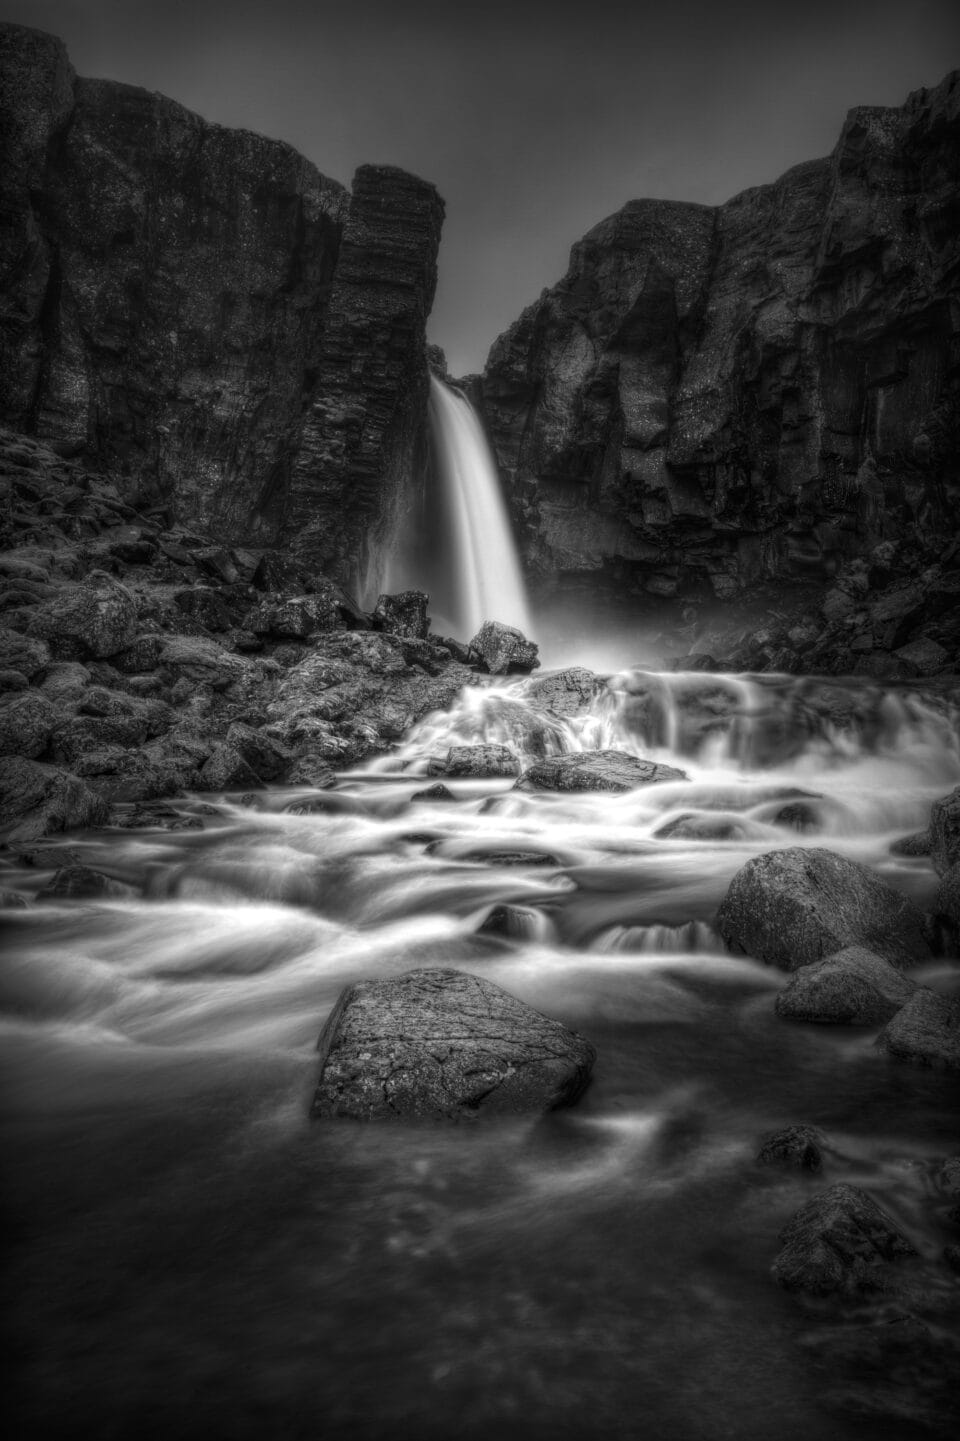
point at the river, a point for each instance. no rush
(190, 1256)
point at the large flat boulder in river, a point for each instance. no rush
(435, 1044)
(792, 907)
(595, 771)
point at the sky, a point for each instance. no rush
(533, 119)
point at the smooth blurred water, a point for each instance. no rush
(188, 1255)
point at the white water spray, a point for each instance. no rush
(487, 583)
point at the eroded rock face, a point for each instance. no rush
(595, 771)
(793, 907)
(444, 1045)
(715, 397)
(202, 312)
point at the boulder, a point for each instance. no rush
(404, 614)
(226, 770)
(798, 1146)
(438, 792)
(311, 770)
(477, 761)
(27, 720)
(515, 922)
(564, 692)
(260, 751)
(24, 653)
(792, 907)
(916, 844)
(296, 618)
(441, 1044)
(36, 800)
(945, 832)
(204, 605)
(839, 1242)
(596, 771)
(97, 618)
(926, 1031)
(853, 987)
(503, 649)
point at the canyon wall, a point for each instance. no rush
(236, 338)
(717, 398)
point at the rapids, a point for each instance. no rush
(190, 1256)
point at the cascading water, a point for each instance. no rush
(178, 1213)
(462, 549)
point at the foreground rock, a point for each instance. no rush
(596, 771)
(853, 987)
(504, 650)
(793, 907)
(36, 800)
(926, 1031)
(476, 762)
(441, 1044)
(840, 1242)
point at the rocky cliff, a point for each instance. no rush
(235, 337)
(714, 399)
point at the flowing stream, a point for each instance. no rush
(190, 1256)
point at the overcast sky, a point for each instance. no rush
(533, 119)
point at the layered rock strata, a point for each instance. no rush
(713, 399)
(234, 336)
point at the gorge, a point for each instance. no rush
(249, 781)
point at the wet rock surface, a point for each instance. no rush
(444, 1045)
(602, 770)
(504, 649)
(798, 1147)
(926, 1031)
(794, 907)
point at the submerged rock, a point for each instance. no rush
(793, 907)
(82, 883)
(853, 987)
(441, 1044)
(504, 649)
(517, 922)
(798, 1146)
(926, 1031)
(841, 1241)
(595, 771)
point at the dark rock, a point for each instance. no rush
(36, 800)
(798, 815)
(298, 617)
(511, 858)
(515, 922)
(792, 907)
(12, 901)
(926, 1031)
(595, 771)
(12, 681)
(23, 653)
(698, 827)
(438, 792)
(204, 605)
(97, 618)
(917, 844)
(477, 761)
(27, 721)
(403, 614)
(441, 1044)
(947, 903)
(852, 987)
(261, 753)
(951, 1254)
(797, 1146)
(503, 649)
(945, 832)
(81, 883)
(839, 1242)
(311, 770)
(226, 770)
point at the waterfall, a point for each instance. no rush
(463, 551)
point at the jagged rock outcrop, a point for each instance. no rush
(198, 310)
(716, 398)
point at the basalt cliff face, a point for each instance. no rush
(236, 338)
(715, 399)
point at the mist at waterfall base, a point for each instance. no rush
(192, 1256)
